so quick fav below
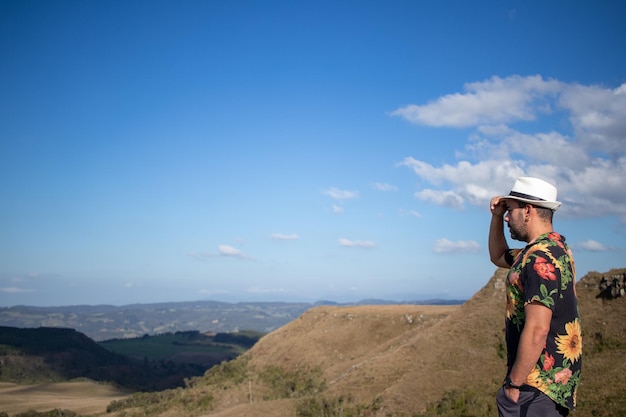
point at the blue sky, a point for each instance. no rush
(297, 151)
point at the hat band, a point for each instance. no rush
(526, 196)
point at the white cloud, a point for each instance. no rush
(14, 290)
(443, 198)
(460, 246)
(598, 115)
(592, 246)
(497, 100)
(261, 290)
(337, 209)
(411, 213)
(381, 186)
(585, 158)
(205, 291)
(338, 194)
(281, 236)
(225, 250)
(356, 243)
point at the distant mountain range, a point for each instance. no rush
(104, 322)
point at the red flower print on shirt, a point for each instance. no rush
(544, 269)
(557, 238)
(563, 376)
(548, 362)
(514, 280)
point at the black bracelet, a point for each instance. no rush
(510, 384)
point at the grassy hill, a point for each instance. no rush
(52, 354)
(149, 363)
(401, 360)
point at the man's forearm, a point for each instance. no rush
(532, 341)
(497, 242)
(528, 354)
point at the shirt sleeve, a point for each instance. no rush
(541, 280)
(510, 255)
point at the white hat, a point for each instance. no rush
(534, 191)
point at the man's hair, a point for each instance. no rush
(545, 213)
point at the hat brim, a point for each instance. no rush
(552, 205)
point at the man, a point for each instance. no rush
(543, 339)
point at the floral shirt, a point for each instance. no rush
(544, 272)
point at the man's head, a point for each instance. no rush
(530, 207)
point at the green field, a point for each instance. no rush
(169, 345)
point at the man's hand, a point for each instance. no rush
(498, 206)
(512, 393)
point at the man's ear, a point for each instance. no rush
(528, 208)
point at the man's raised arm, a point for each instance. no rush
(497, 242)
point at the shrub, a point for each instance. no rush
(51, 413)
(338, 407)
(603, 343)
(226, 374)
(457, 403)
(154, 403)
(293, 384)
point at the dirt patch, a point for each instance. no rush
(83, 397)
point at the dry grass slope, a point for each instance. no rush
(603, 384)
(402, 358)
